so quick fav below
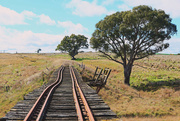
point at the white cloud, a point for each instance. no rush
(111, 12)
(28, 14)
(107, 2)
(170, 6)
(27, 41)
(174, 46)
(84, 8)
(124, 7)
(46, 20)
(10, 17)
(72, 28)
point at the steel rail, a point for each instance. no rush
(37, 103)
(78, 109)
(87, 108)
(44, 107)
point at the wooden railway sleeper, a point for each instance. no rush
(36, 112)
(80, 100)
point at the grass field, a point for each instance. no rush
(21, 73)
(152, 93)
(151, 96)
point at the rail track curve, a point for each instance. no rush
(67, 98)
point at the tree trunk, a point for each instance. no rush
(73, 58)
(127, 73)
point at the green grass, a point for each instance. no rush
(60, 55)
(82, 59)
(141, 99)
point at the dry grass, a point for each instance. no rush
(155, 102)
(140, 102)
(164, 118)
(21, 73)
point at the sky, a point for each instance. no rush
(27, 25)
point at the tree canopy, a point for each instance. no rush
(133, 35)
(72, 44)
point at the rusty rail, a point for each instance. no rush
(48, 91)
(80, 98)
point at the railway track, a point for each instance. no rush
(65, 99)
(40, 107)
(38, 110)
(83, 110)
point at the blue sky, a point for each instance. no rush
(26, 25)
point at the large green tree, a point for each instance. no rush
(72, 44)
(133, 35)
